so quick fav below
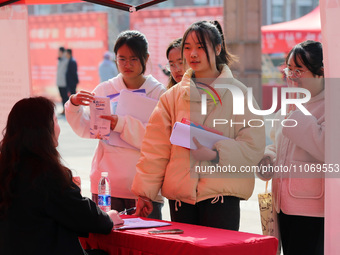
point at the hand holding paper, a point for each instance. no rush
(136, 105)
(83, 97)
(202, 153)
(112, 118)
(182, 135)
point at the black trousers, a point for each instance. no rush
(301, 234)
(63, 95)
(224, 215)
(72, 89)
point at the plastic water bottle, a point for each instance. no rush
(104, 192)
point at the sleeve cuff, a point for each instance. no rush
(120, 124)
(71, 107)
(217, 159)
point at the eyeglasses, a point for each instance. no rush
(297, 73)
(171, 66)
(124, 61)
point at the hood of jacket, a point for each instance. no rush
(148, 85)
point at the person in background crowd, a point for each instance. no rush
(107, 69)
(164, 70)
(41, 208)
(299, 199)
(175, 65)
(199, 198)
(131, 50)
(61, 76)
(71, 73)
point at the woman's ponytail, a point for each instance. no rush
(225, 57)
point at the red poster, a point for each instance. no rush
(161, 26)
(84, 33)
(14, 56)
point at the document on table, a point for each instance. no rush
(132, 223)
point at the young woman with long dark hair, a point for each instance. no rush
(200, 198)
(41, 209)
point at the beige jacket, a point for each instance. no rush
(171, 168)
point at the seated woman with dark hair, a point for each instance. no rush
(41, 209)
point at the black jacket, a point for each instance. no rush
(72, 74)
(46, 220)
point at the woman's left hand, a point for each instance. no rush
(203, 153)
(112, 118)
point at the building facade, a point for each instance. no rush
(276, 11)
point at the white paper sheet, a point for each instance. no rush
(135, 105)
(132, 223)
(99, 128)
(182, 135)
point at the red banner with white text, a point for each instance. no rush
(84, 33)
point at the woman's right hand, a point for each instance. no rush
(114, 215)
(83, 97)
(265, 172)
(144, 207)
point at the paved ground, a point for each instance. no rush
(77, 155)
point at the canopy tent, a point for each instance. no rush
(5, 2)
(108, 3)
(283, 36)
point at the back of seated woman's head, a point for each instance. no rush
(28, 149)
(30, 126)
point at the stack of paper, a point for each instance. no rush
(136, 105)
(115, 97)
(139, 223)
(182, 135)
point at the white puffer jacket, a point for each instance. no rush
(119, 162)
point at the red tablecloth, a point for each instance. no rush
(195, 240)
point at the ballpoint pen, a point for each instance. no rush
(127, 210)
